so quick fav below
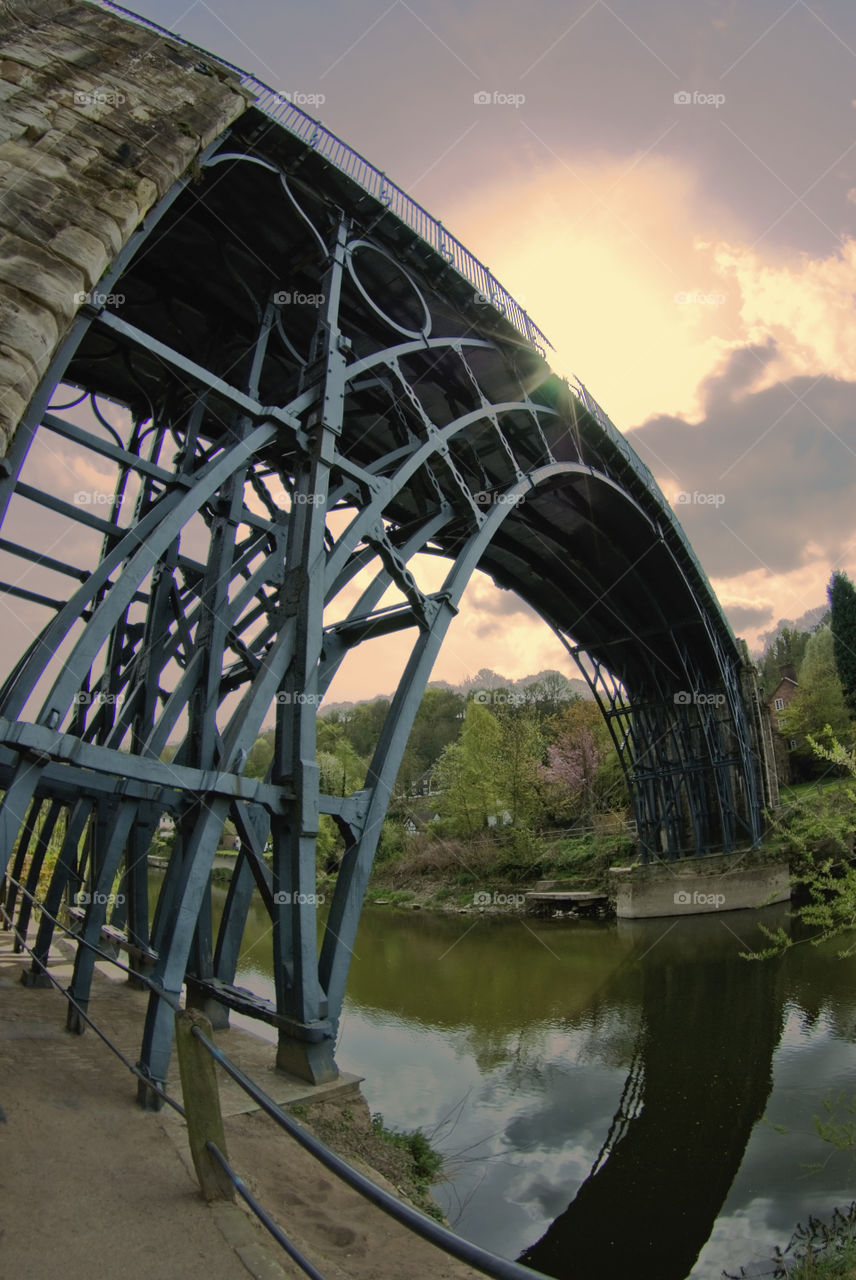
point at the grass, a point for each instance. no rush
(818, 1250)
(832, 1264)
(405, 1157)
(804, 790)
(445, 872)
(427, 1164)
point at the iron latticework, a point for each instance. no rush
(283, 397)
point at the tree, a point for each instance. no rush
(521, 747)
(786, 649)
(466, 773)
(842, 604)
(364, 724)
(819, 700)
(259, 757)
(581, 744)
(491, 770)
(438, 722)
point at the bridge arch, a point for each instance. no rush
(271, 425)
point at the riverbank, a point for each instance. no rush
(133, 1194)
(493, 875)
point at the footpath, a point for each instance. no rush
(89, 1181)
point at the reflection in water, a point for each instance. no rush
(594, 1085)
(699, 1081)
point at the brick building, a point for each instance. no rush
(784, 693)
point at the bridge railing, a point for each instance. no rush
(482, 1260)
(286, 113)
(485, 285)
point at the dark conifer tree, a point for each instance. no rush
(842, 601)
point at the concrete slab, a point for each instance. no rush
(698, 886)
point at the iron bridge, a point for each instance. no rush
(294, 391)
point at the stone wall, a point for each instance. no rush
(697, 886)
(98, 118)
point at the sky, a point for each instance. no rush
(670, 191)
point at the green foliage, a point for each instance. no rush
(842, 603)
(817, 1250)
(492, 769)
(261, 754)
(427, 1164)
(341, 769)
(465, 773)
(438, 723)
(842, 624)
(393, 841)
(819, 824)
(521, 748)
(785, 649)
(329, 844)
(818, 833)
(573, 782)
(819, 701)
(362, 724)
(839, 1133)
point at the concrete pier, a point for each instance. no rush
(697, 886)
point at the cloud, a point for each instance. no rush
(806, 622)
(744, 616)
(804, 304)
(767, 478)
(606, 254)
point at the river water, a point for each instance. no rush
(612, 1098)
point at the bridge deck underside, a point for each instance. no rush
(311, 401)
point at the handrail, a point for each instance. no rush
(488, 1263)
(456, 1246)
(278, 107)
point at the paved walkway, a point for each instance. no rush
(90, 1183)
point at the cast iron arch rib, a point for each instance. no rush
(299, 397)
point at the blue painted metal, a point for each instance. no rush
(268, 454)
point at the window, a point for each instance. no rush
(780, 704)
(793, 744)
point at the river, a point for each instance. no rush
(612, 1098)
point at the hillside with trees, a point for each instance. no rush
(823, 659)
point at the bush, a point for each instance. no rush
(818, 1250)
(427, 1163)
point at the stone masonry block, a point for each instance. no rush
(82, 250)
(41, 275)
(27, 329)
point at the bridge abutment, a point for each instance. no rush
(697, 886)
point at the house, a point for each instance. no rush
(783, 694)
(419, 818)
